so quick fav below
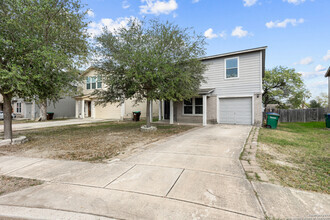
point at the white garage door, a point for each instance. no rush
(236, 110)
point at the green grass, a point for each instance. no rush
(305, 147)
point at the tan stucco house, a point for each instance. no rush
(86, 103)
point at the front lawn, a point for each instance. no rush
(297, 155)
(89, 142)
(11, 184)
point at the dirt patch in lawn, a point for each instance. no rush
(97, 142)
(296, 155)
(11, 184)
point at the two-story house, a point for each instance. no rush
(232, 93)
(86, 104)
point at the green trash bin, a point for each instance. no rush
(327, 120)
(272, 120)
(136, 115)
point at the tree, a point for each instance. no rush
(41, 45)
(285, 87)
(314, 104)
(322, 99)
(150, 61)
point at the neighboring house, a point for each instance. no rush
(64, 108)
(232, 93)
(327, 74)
(86, 103)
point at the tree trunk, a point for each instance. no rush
(43, 110)
(148, 114)
(7, 110)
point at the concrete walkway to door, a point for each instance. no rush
(196, 175)
(54, 123)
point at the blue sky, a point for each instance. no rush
(297, 32)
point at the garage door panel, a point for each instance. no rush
(236, 110)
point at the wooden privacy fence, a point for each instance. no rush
(300, 115)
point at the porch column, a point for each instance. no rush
(171, 112)
(204, 110)
(160, 110)
(163, 110)
(82, 109)
(151, 110)
(122, 111)
(77, 108)
(33, 110)
(93, 109)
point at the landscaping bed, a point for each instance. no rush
(89, 142)
(296, 155)
(12, 184)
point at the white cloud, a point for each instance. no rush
(223, 34)
(158, 7)
(284, 23)
(90, 13)
(248, 3)
(319, 68)
(295, 2)
(195, 1)
(209, 34)
(327, 56)
(125, 4)
(239, 32)
(305, 61)
(311, 74)
(96, 28)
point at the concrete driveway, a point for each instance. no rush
(196, 175)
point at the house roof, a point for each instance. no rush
(205, 91)
(88, 69)
(234, 53)
(327, 74)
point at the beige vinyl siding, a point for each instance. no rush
(110, 111)
(249, 81)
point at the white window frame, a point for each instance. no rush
(193, 107)
(91, 82)
(226, 68)
(19, 106)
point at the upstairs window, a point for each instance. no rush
(231, 68)
(99, 82)
(88, 83)
(92, 82)
(193, 106)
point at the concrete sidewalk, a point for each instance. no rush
(55, 123)
(196, 175)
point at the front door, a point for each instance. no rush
(89, 109)
(167, 110)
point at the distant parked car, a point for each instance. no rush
(13, 115)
